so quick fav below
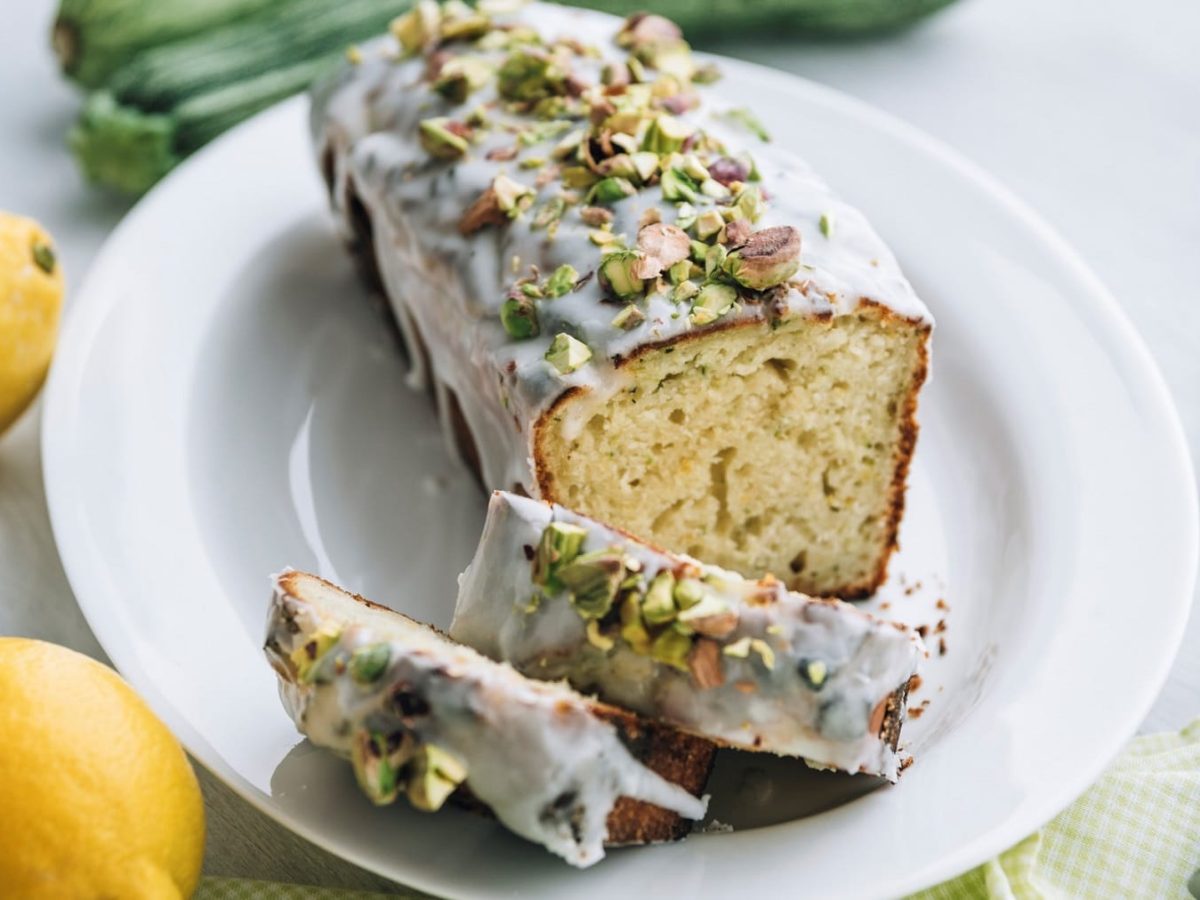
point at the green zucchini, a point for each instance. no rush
(92, 38)
(169, 101)
(702, 19)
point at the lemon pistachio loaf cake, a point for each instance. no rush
(420, 715)
(623, 296)
(744, 663)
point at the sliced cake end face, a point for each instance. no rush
(420, 715)
(760, 448)
(745, 663)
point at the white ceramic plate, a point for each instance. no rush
(224, 404)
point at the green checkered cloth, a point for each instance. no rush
(1135, 833)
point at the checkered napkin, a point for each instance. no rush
(1134, 834)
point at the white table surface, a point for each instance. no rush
(1088, 109)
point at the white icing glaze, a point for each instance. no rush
(534, 752)
(453, 286)
(866, 659)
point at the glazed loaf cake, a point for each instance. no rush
(624, 298)
(744, 663)
(422, 716)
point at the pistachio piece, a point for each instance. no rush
(439, 141)
(709, 223)
(711, 616)
(814, 672)
(460, 76)
(763, 649)
(666, 134)
(579, 177)
(673, 648)
(826, 224)
(739, 649)
(307, 657)
(549, 212)
(628, 318)
(567, 354)
(559, 545)
(712, 301)
(596, 638)
(633, 629)
(593, 580)
(728, 170)
(668, 244)
(464, 28)
(367, 664)
(714, 259)
(417, 29)
(685, 215)
(706, 73)
(712, 188)
(641, 29)
(562, 281)
(595, 215)
(737, 233)
(645, 165)
(511, 196)
(377, 760)
(435, 775)
(610, 190)
(518, 315)
(704, 662)
(743, 117)
(750, 204)
(617, 270)
(658, 606)
(528, 75)
(769, 257)
(685, 291)
(620, 165)
(677, 186)
(680, 271)
(689, 592)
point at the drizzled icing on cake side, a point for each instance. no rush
(523, 259)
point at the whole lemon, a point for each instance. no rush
(98, 798)
(31, 291)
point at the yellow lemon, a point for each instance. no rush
(31, 290)
(98, 798)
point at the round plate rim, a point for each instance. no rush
(1118, 330)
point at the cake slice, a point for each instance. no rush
(418, 714)
(624, 298)
(745, 663)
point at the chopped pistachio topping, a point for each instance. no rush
(308, 656)
(711, 302)
(826, 224)
(418, 28)
(763, 649)
(567, 354)
(596, 639)
(559, 545)
(529, 74)
(610, 190)
(435, 775)
(44, 258)
(593, 580)
(460, 76)
(709, 223)
(440, 142)
(749, 121)
(518, 315)
(618, 271)
(562, 281)
(628, 318)
(677, 185)
(814, 672)
(672, 647)
(658, 606)
(666, 134)
(378, 760)
(512, 196)
(739, 648)
(768, 258)
(368, 663)
(633, 629)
